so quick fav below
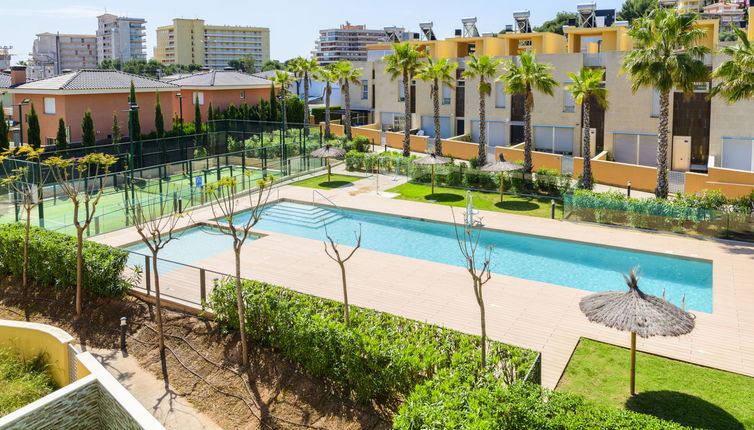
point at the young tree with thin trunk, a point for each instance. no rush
(33, 133)
(524, 78)
(404, 62)
(483, 68)
(21, 182)
(439, 74)
(479, 269)
(327, 75)
(335, 256)
(347, 75)
(116, 129)
(88, 138)
(305, 68)
(61, 140)
(156, 225)
(226, 204)
(587, 86)
(4, 129)
(666, 56)
(76, 177)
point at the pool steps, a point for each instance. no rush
(303, 215)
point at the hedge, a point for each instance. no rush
(52, 260)
(380, 357)
(456, 400)
(319, 114)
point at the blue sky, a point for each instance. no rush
(294, 24)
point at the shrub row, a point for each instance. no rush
(455, 401)
(379, 357)
(52, 260)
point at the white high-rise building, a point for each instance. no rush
(54, 52)
(120, 38)
(345, 43)
(5, 57)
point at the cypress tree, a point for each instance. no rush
(197, 115)
(210, 116)
(273, 114)
(61, 140)
(116, 129)
(4, 140)
(159, 121)
(35, 139)
(87, 130)
(136, 127)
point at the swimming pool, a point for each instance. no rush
(569, 264)
(187, 247)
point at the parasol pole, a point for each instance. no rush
(502, 185)
(633, 364)
(433, 179)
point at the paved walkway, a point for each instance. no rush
(531, 314)
(171, 410)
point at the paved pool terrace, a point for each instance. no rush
(526, 313)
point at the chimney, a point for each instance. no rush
(17, 75)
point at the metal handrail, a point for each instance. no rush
(315, 192)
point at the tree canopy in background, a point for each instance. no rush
(150, 69)
(245, 64)
(633, 9)
(272, 65)
(556, 25)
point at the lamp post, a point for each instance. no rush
(21, 122)
(132, 107)
(281, 96)
(180, 109)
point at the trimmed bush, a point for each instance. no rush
(380, 357)
(457, 400)
(52, 260)
(319, 114)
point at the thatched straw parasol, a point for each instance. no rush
(638, 313)
(501, 166)
(327, 152)
(432, 160)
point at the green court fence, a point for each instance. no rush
(660, 217)
(253, 151)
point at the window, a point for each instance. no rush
(49, 105)
(499, 95)
(199, 96)
(401, 92)
(446, 94)
(364, 90)
(243, 94)
(569, 103)
(655, 104)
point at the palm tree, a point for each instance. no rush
(665, 56)
(327, 75)
(524, 78)
(736, 80)
(404, 62)
(586, 87)
(305, 68)
(347, 75)
(483, 68)
(283, 80)
(439, 74)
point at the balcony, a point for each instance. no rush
(594, 60)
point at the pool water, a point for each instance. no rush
(569, 264)
(187, 247)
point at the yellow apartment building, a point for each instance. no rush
(189, 41)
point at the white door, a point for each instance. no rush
(681, 153)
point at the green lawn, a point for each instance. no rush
(22, 381)
(691, 395)
(321, 182)
(520, 205)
